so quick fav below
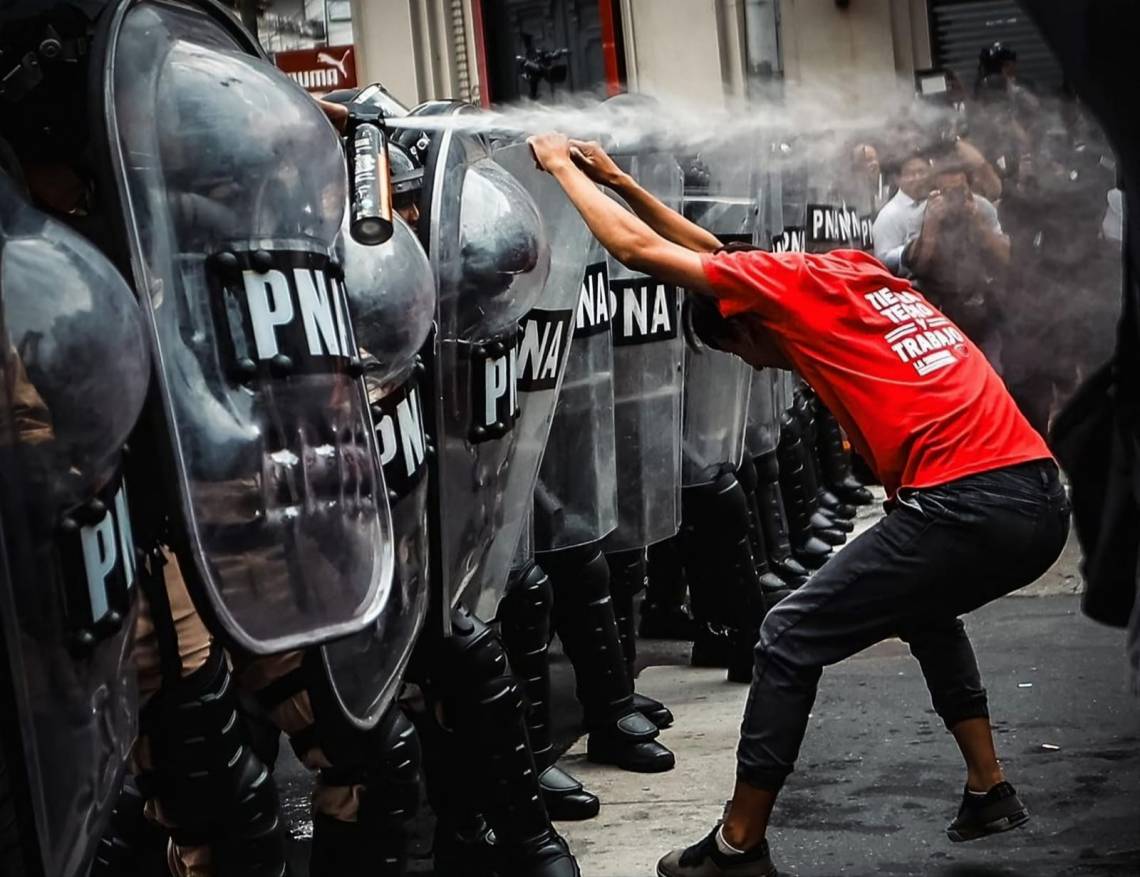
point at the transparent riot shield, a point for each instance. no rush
(547, 330)
(491, 259)
(721, 195)
(232, 185)
(763, 430)
(777, 196)
(827, 211)
(648, 379)
(575, 500)
(717, 387)
(524, 551)
(391, 295)
(73, 378)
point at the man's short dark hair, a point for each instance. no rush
(703, 313)
(708, 324)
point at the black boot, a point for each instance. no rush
(825, 528)
(585, 622)
(774, 520)
(483, 704)
(663, 612)
(627, 578)
(835, 461)
(724, 584)
(831, 504)
(799, 500)
(842, 524)
(376, 843)
(524, 618)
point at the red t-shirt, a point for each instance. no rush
(918, 400)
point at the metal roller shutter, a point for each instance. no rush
(459, 49)
(960, 29)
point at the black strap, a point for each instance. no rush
(280, 690)
(153, 584)
(304, 741)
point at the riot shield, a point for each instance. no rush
(825, 213)
(232, 186)
(763, 429)
(491, 259)
(717, 387)
(648, 378)
(767, 398)
(391, 296)
(720, 196)
(74, 376)
(575, 501)
(544, 346)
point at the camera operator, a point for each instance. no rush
(960, 256)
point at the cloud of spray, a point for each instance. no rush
(1057, 304)
(631, 122)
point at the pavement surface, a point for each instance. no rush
(879, 777)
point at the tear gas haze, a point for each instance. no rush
(1045, 316)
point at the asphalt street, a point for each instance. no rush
(879, 776)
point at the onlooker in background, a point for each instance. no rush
(960, 256)
(900, 220)
(1000, 60)
(996, 129)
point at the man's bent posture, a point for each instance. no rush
(978, 510)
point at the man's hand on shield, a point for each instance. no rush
(551, 151)
(595, 163)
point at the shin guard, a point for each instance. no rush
(205, 777)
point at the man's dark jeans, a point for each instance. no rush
(941, 552)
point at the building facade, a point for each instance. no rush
(500, 51)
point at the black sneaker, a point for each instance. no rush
(704, 859)
(998, 810)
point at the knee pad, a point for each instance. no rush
(587, 624)
(121, 846)
(484, 704)
(665, 579)
(723, 581)
(628, 578)
(524, 611)
(580, 573)
(525, 624)
(388, 772)
(628, 572)
(371, 839)
(206, 776)
(794, 479)
(472, 675)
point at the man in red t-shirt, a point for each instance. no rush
(977, 508)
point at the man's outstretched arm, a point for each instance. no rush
(627, 237)
(592, 160)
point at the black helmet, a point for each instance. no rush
(43, 74)
(374, 95)
(993, 57)
(418, 140)
(407, 175)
